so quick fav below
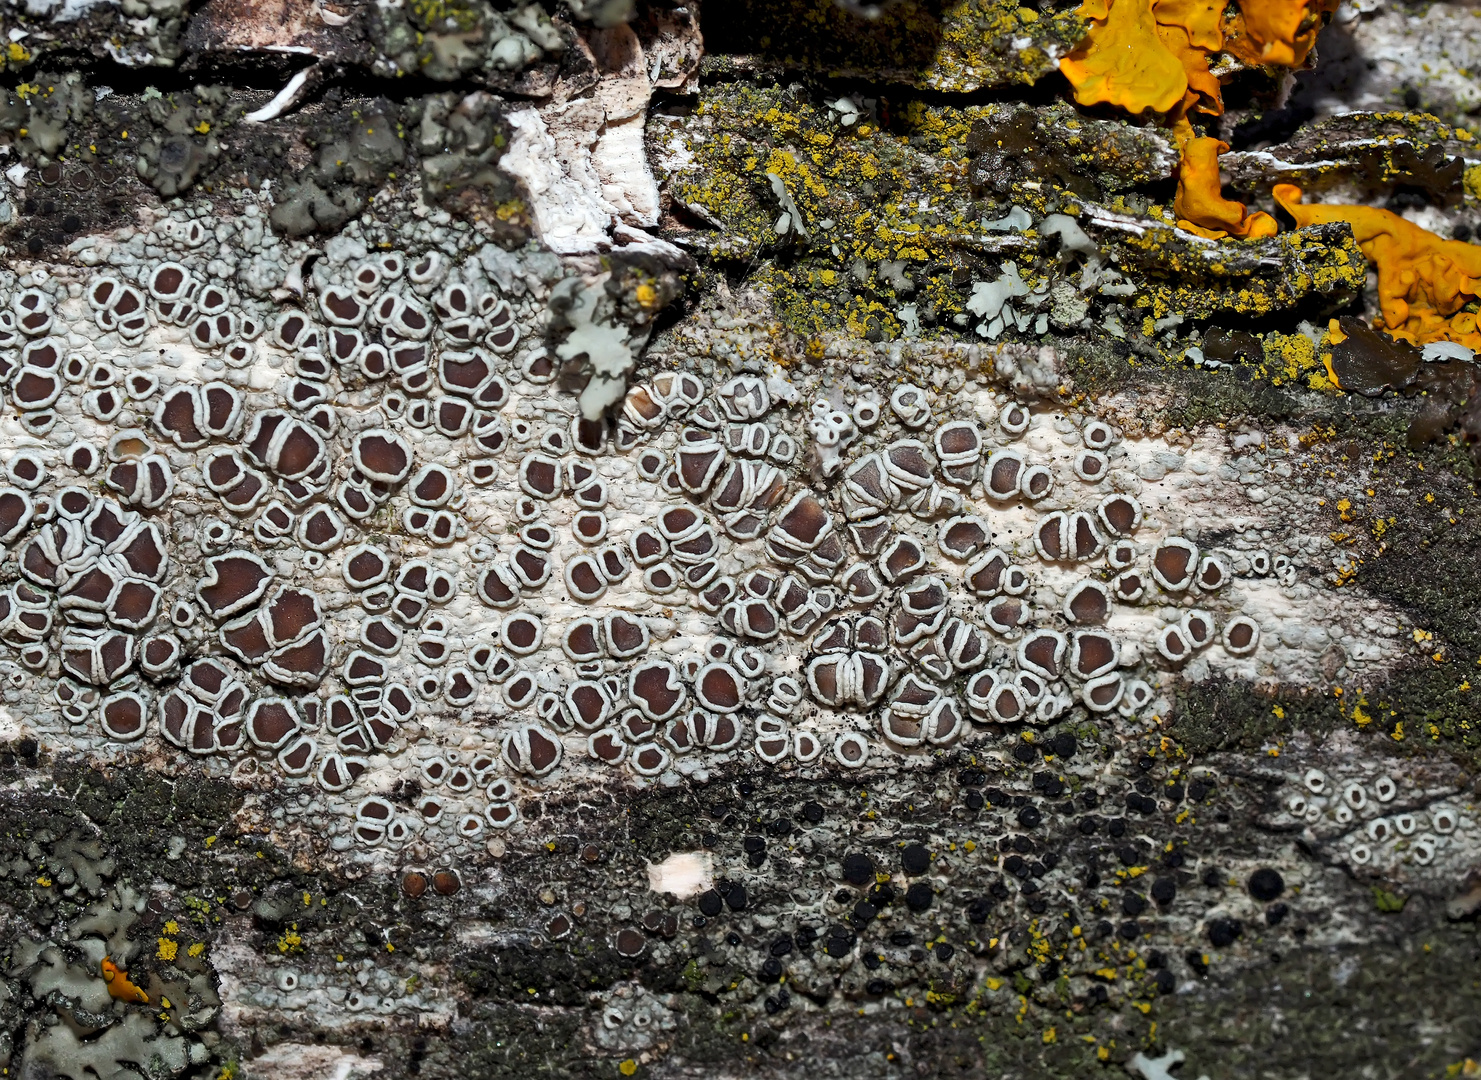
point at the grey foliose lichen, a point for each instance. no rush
(447, 40)
(88, 1020)
(40, 115)
(355, 152)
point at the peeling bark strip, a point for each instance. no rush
(771, 539)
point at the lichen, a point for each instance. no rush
(1424, 281)
(1123, 62)
(1200, 206)
(979, 559)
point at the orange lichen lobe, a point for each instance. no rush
(1199, 205)
(1142, 55)
(1277, 31)
(1202, 20)
(1122, 61)
(1153, 55)
(1424, 280)
(119, 985)
(1204, 93)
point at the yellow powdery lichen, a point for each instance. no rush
(1289, 357)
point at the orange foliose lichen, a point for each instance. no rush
(1277, 31)
(1191, 30)
(119, 985)
(1202, 20)
(1424, 280)
(1203, 93)
(1201, 208)
(1122, 61)
(1142, 55)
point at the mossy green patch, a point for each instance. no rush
(1390, 903)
